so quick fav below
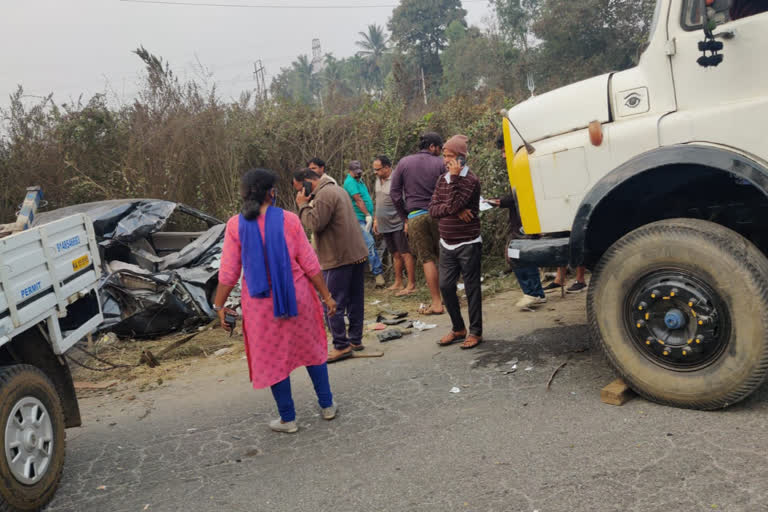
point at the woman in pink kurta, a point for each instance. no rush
(282, 324)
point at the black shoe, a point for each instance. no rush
(553, 287)
(576, 288)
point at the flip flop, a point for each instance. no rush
(428, 311)
(477, 339)
(454, 338)
(405, 292)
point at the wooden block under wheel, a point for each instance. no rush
(616, 393)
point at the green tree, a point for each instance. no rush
(298, 82)
(465, 61)
(516, 19)
(373, 46)
(590, 37)
(418, 27)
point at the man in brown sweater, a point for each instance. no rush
(456, 205)
(328, 213)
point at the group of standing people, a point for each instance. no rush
(427, 209)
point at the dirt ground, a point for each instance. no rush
(211, 347)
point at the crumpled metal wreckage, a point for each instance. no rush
(161, 261)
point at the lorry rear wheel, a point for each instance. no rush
(32, 433)
(680, 308)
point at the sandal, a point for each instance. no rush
(428, 311)
(405, 292)
(339, 355)
(451, 338)
(358, 347)
(471, 342)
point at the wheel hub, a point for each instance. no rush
(675, 319)
(28, 440)
(678, 321)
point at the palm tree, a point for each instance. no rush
(333, 76)
(303, 69)
(373, 46)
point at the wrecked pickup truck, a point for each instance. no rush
(160, 261)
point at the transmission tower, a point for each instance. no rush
(317, 56)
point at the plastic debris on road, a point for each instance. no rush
(421, 326)
(455, 390)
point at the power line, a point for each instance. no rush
(275, 6)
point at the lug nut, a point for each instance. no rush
(640, 324)
(642, 306)
(655, 293)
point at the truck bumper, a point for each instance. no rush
(543, 252)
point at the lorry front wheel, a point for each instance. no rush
(32, 433)
(680, 308)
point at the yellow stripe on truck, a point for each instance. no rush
(519, 171)
(509, 151)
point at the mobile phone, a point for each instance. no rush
(231, 321)
(462, 160)
(307, 188)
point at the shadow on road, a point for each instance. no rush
(536, 346)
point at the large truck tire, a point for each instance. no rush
(32, 434)
(680, 308)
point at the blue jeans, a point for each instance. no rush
(530, 281)
(373, 256)
(282, 392)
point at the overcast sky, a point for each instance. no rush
(73, 47)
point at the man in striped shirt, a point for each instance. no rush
(456, 205)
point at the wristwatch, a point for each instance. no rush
(217, 308)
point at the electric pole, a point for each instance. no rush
(261, 83)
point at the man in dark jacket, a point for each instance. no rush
(328, 214)
(456, 205)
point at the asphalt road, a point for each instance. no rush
(403, 441)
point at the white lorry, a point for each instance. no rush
(656, 178)
(48, 301)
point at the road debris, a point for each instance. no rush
(421, 326)
(390, 334)
(455, 390)
(552, 377)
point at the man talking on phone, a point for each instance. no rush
(327, 212)
(456, 205)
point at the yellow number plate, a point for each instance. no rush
(80, 263)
